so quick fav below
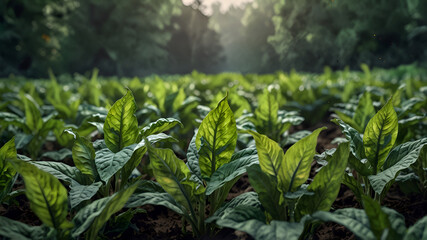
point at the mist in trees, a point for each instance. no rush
(141, 37)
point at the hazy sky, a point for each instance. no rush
(225, 4)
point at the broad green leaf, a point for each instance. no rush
(397, 224)
(362, 166)
(378, 220)
(47, 196)
(84, 218)
(115, 204)
(244, 219)
(326, 184)
(139, 151)
(161, 125)
(7, 172)
(84, 155)
(349, 121)
(353, 219)
(233, 169)
(297, 162)
(266, 113)
(365, 110)
(108, 162)
(280, 230)
(249, 199)
(33, 117)
(401, 157)
(418, 230)
(79, 193)
(193, 161)
(216, 138)
(17, 230)
(121, 125)
(402, 151)
(266, 187)
(154, 198)
(353, 136)
(173, 175)
(380, 135)
(60, 170)
(270, 154)
(58, 155)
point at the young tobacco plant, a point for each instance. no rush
(374, 159)
(49, 201)
(34, 126)
(279, 183)
(212, 169)
(104, 172)
(105, 166)
(268, 119)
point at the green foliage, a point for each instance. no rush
(121, 126)
(384, 161)
(47, 196)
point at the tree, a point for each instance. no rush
(120, 37)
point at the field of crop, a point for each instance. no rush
(338, 155)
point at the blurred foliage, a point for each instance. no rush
(141, 37)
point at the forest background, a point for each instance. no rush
(142, 37)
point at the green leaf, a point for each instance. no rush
(287, 119)
(87, 215)
(193, 161)
(362, 166)
(47, 196)
(108, 162)
(402, 151)
(326, 184)
(17, 230)
(378, 220)
(154, 198)
(161, 125)
(266, 187)
(297, 162)
(270, 154)
(244, 219)
(58, 155)
(348, 120)
(216, 138)
(364, 111)
(248, 199)
(121, 125)
(60, 170)
(173, 175)
(7, 172)
(115, 204)
(353, 136)
(266, 114)
(353, 219)
(418, 230)
(33, 117)
(84, 155)
(401, 157)
(380, 135)
(139, 151)
(79, 193)
(234, 169)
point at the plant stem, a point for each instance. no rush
(201, 219)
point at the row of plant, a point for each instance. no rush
(114, 151)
